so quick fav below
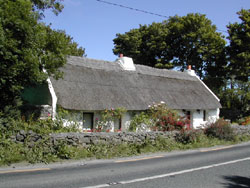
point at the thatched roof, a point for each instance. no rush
(97, 85)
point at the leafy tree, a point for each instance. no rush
(235, 101)
(41, 5)
(235, 97)
(26, 47)
(177, 42)
(145, 45)
(239, 48)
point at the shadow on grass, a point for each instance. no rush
(237, 182)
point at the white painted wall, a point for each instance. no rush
(213, 115)
(54, 97)
(196, 117)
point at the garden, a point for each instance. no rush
(29, 140)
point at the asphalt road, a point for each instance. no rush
(227, 167)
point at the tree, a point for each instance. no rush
(235, 101)
(176, 42)
(235, 97)
(41, 5)
(26, 47)
(239, 48)
(145, 45)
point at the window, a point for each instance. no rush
(118, 124)
(188, 115)
(204, 115)
(88, 120)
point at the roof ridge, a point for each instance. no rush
(114, 66)
(114, 62)
(87, 58)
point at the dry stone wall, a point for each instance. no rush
(87, 139)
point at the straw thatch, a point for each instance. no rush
(92, 85)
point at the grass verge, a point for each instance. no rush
(11, 152)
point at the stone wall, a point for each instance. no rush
(242, 129)
(86, 139)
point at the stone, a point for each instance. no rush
(22, 132)
(20, 137)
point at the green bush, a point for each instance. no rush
(220, 129)
(189, 136)
(11, 152)
(138, 120)
(45, 150)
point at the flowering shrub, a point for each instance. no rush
(101, 125)
(220, 129)
(166, 119)
(112, 114)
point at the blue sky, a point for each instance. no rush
(94, 25)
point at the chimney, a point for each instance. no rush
(190, 71)
(126, 63)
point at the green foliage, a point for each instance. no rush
(235, 96)
(41, 5)
(235, 100)
(73, 117)
(11, 122)
(138, 120)
(192, 39)
(159, 118)
(39, 151)
(176, 42)
(239, 48)
(145, 45)
(113, 114)
(220, 129)
(189, 136)
(27, 46)
(11, 152)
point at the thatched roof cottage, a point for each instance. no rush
(91, 86)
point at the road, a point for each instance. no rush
(220, 167)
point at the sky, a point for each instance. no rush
(94, 25)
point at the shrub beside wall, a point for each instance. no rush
(43, 141)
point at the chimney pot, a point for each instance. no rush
(190, 71)
(121, 55)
